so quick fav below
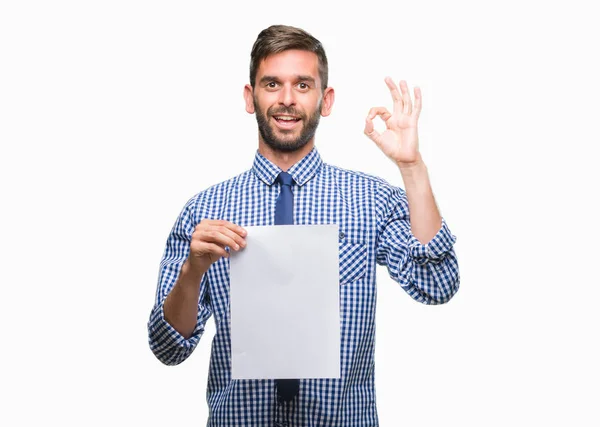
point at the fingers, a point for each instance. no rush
(379, 111)
(220, 237)
(369, 125)
(371, 132)
(396, 96)
(220, 232)
(230, 225)
(210, 240)
(418, 101)
(234, 232)
(407, 107)
(402, 99)
(209, 249)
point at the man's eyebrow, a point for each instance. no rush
(306, 79)
(266, 79)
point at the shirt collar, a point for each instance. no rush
(302, 172)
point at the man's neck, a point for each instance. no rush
(281, 159)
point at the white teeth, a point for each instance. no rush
(288, 119)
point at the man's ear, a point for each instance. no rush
(249, 99)
(328, 98)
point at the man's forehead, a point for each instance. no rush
(290, 64)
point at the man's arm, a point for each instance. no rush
(183, 304)
(413, 240)
(166, 342)
(181, 308)
(209, 242)
(425, 218)
(427, 269)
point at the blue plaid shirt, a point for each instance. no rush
(373, 220)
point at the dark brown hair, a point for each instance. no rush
(279, 38)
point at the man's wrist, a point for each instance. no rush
(192, 273)
(410, 166)
(413, 172)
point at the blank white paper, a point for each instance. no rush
(284, 290)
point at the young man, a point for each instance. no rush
(289, 183)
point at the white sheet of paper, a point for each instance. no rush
(285, 307)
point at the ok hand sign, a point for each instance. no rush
(400, 141)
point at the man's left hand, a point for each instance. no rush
(400, 141)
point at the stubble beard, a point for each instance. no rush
(309, 128)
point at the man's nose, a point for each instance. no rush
(286, 96)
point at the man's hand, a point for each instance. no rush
(209, 240)
(400, 141)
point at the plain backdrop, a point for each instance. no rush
(114, 113)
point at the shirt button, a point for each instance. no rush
(342, 235)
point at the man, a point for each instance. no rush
(378, 223)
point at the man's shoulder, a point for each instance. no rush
(358, 176)
(354, 180)
(230, 182)
(219, 190)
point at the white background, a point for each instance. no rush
(113, 114)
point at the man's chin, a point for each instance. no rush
(285, 146)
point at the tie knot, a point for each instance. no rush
(285, 178)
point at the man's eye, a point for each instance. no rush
(271, 84)
(303, 85)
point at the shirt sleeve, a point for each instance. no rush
(428, 273)
(168, 345)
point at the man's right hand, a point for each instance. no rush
(209, 241)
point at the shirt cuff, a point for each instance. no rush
(164, 336)
(436, 249)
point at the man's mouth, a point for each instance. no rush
(286, 122)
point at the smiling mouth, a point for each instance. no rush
(285, 119)
(286, 122)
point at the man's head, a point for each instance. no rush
(288, 87)
(279, 38)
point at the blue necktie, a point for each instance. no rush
(284, 206)
(284, 214)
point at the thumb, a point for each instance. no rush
(371, 132)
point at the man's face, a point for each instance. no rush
(287, 99)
